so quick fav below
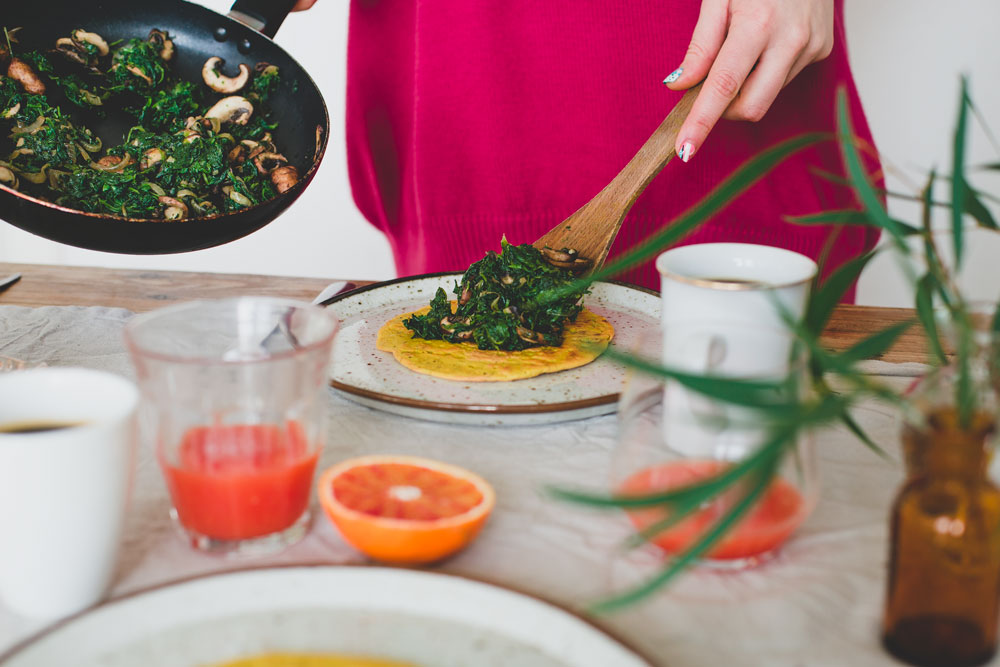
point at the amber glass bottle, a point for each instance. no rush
(944, 569)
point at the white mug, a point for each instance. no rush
(67, 455)
(724, 306)
(733, 281)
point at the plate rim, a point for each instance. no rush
(472, 408)
(56, 626)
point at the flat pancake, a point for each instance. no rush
(584, 340)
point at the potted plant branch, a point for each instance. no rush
(956, 406)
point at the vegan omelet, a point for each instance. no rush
(584, 340)
(311, 660)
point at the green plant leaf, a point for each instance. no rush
(862, 435)
(958, 185)
(846, 217)
(926, 287)
(824, 300)
(766, 395)
(934, 265)
(975, 207)
(859, 177)
(875, 345)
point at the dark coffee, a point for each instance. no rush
(36, 426)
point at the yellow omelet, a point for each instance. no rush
(584, 340)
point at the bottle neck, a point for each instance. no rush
(943, 444)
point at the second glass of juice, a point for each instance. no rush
(234, 397)
(671, 436)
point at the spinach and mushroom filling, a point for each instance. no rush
(195, 149)
(498, 302)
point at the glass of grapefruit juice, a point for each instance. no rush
(234, 397)
(670, 437)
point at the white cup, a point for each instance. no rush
(63, 491)
(698, 282)
(723, 314)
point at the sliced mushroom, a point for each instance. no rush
(93, 39)
(466, 295)
(268, 162)
(113, 163)
(284, 178)
(8, 177)
(21, 72)
(529, 336)
(175, 208)
(233, 109)
(72, 51)
(578, 264)
(162, 40)
(266, 68)
(238, 155)
(151, 157)
(11, 112)
(139, 73)
(221, 83)
(564, 255)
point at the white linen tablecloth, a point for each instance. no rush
(817, 603)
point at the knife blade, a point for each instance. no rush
(9, 280)
(332, 291)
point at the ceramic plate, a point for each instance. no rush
(418, 617)
(374, 378)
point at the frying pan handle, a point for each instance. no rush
(264, 16)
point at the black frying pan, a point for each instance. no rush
(198, 34)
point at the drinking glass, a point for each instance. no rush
(234, 396)
(671, 436)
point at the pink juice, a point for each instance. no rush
(769, 523)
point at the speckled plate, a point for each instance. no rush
(422, 618)
(374, 378)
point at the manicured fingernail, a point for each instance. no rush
(686, 151)
(673, 76)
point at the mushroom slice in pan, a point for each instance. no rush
(267, 162)
(233, 109)
(284, 178)
(72, 51)
(221, 83)
(175, 208)
(160, 39)
(92, 38)
(8, 177)
(151, 157)
(21, 72)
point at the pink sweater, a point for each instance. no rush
(470, 119)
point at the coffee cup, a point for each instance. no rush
(67, 455)
(725, 310)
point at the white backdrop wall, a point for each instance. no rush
(907, 57)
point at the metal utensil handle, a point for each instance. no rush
(264, 16)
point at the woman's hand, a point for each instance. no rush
(303, 4)
(749, 50)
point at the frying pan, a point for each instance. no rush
(198, 34)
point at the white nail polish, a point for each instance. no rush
(686, 151)
(673, 76)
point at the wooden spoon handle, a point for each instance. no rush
(593, 227)
(651, 158)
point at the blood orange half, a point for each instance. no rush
(403, 509)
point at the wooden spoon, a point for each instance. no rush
(593, 228)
